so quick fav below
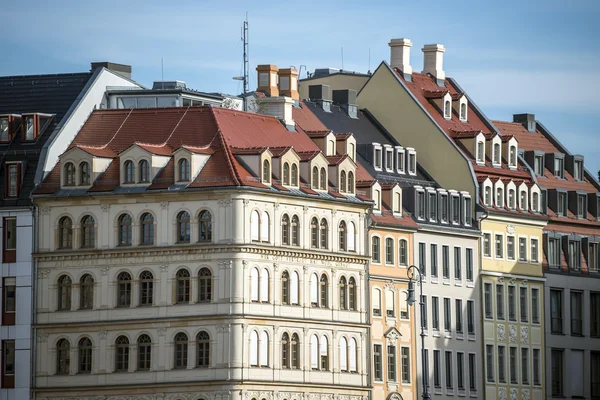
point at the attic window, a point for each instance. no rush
(69, 174)
(420, 211)
(511, 199)
(286, 174)
(578, 170)
(266, 173)
(512, 156)
(377, 155)
(29, 128)
(562, 204)
(144, 171)
(377, 200)
(455, 209)
(463, 112)
(523, 200)
(350, 182)
(397, 203)
(535, 202)
(294, 175)
(581, 209)
(497, 153)
(447, 109)
(559, 167)
(323, 179)
(184, 170)
(538, 165)
(129, 176)
(432, 206)
(499, 197)
(412, 162)
(11, 185)
(480, 151)
(487, 196)
(443, 208)
(400, 160)
(343, 181)
(389, 159)
(84, 173)
(351, 150)
(467, 211)
(4, 125)
(330, 148)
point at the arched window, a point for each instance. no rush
(488, 196)
(285, 229)
(314, 352)
(295, 231)
(536, 202)
(295, 351)
(351, 237)
(88, 232)
(463, 111)
(294, 175)
(183, 286)
(350, 182)
(254, 349)
(353, 355)
(69, 174)
(324, 234)
(497, 153)
(342, 236)
(324, 291)
(343, 354)
(146, 288)
(181, 351)
(447, 111)
(86, 292)
(144, 167)
(84, 173)
(64, 293)
(324, 353)
(499, 197)
(285, 350)
(480, 152)
(266, 171)
(204, 285)
(184, 170)
(403, 252)
(85, 356)
(351, 294)
(376, 299)
(389, 251)
(147, 229)
(121, 354)
(285, 288)
(390, 309)
(343, 181)
(264, 227)
(63, 357)
(343, 293)
(255, 226)
(323, 179)
(205, 224)
(124, 290)
(523, 205)
(513, 156)
(315, 178)
(314, 233)
(144, 353)
(125, 230)
(294, 288)
(183, 227)
(65, 233)
(376, 249)
(264, 286)
(286, 174)
(314, 290)
(263, 354)
(202, 350)
(254, 284)
(129, 173)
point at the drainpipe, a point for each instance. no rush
(33, 346)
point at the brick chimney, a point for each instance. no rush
(267, 79)
(433, 61)
(400, 56)
(288, 83)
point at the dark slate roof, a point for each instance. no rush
(49, 94)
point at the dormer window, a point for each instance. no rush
(480, 152)
(487, 196)
(561, 208)
(33, 125)
(512, 157)
(389, 158)
(377, 156)
(496, 155)
(511, 199)
(4, 126)
(456, 209)
(29, 128)
(323, 179)
(70, 174)
(350, 182)
(129, 173)
(331, 148)
(400, 162)
(184, 170)
(266, 172)
(84, 173)
(578, 170)
(412, 162)
(315, 178)
(286, 174)
(351, 151)
(523, 200)
(448, 109)
(538, 165)
(581, 206)
(467, 211)
(559, 167)
(13, 182)
(397, 208)
(144, 167)
(294, 175)
(377, 199)
(432, 206)
(463, 112)
(343, 181)
(420, 211)
(535, 203)
(443, 208)
(499, 197)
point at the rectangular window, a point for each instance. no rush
(391, 357)
(405, 352)
(389, 160)
(9, 227)
(389, 251)
(535, 305)
(500, 301)
(578, 171)
(457, 266)
(488, 300)
(556, 325)
(595, 314)
(456, 210)
(525, 366)
(595, 374)
(593, 258)
(435, 313)
(422, 258)
(9, 298)
(562, 204)
(581, 206)
(459, 315)
(499, 246)
(487, 245)
(13, 181)
(501, 364)
(412, 163)
(513, 365)
(538, 165)
(559, 168)
(421, 205)
(460, 365)
(432, 206)
(400, 161)
(470, 317)
(510, 247)
(489, 362)
(554, 253)
(534, 250)
(446, 262)
(523, 304)
(522, 249)
(377, 362)
(378, 158)
(433, 260)
(437, 373)
(512, 303)
(444, 208)
(424, 314)
(576, 313)
(472, 372)
(426, 367)
(574, 255)
(467, 211)
(8, 364)
(557, 372)
(537, 367)
(469, 256)
(449, 370)
(447, 316)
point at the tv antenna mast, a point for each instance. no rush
(244, 78)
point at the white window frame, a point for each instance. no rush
(377, 160)
(483, 233)
(410, 166)
(537, 258)
(480, 155)
(501, 246)
(389, 158)
(519, 249)
(400, 164)
(508, 256)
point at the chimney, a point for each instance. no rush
(288, 83)
(527, 120)
(346, 99)
(267, 79)
(279, 107)
(120, 69)
(433, 61)
(400, 56)
(320, 94)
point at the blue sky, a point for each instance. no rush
(511, 57)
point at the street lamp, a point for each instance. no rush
(412, 270)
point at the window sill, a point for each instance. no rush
(446, 282)
(473, 394)
(433, 280)
(471, 337)
(458, 283)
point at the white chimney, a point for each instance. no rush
(433, 61)
(400, 56)
(280, 107)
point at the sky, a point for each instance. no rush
(510, 57)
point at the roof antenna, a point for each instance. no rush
(244, 78)
(342, 58)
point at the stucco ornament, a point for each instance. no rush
(501, 333)
(514, 394)
(502, 393)
(512, 334)
(510, 229)
(394, 396)
(524, 334)
(525, 394)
